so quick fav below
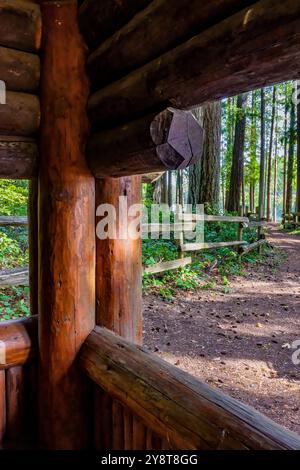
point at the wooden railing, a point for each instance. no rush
(291, 220)
(18, 383)
(187, 223)
(167, 402)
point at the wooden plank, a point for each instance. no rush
(18, 157)
(151, 32)
(20, 115)
(20, 25)
(213, 218)
(208, 246)
(254, 224)
(66, 232)
(167, 265)
(98, 20)
(20, 340)
(20, 71)
(253, 246)
(169, 140)
(14, 277)
(257, 47)
(166, 228)
(13, 221)
(2, 406)
(33, 245)
(173, 403)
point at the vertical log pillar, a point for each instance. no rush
(118, 297)
(66, 231)
(119, 265)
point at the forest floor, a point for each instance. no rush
(239, 341)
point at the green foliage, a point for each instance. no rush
(14, 303)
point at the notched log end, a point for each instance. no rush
(178, 137)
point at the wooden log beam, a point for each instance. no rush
(66, 231)
(163, 25)
(20, 25)
(256, 47)
(20, 115)
(19, 70)
(174, 404)
(18, 157)
(170, 140)
(167, 265)
(98, 20)
(18, 341)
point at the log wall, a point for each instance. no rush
(20, 41)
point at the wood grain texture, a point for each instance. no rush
(18, 157)
(179, 407)
(256, 47)
(33, 245)
(98, 20)
(20, 25)
(118, 265)
(19, 340)
(15, 388)
(169, 140)
(2, 407)
(20, 116)
(19, 70)
(161, 26)
(66, 232)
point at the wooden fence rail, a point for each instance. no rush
(172, 403)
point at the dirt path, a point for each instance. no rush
(238, 341)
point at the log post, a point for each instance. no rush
(118, 293)
(66, 231)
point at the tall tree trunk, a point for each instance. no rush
(269, 170)
(179, 187)
(290, 169)
(298, 155)
(236, 177)
(261, 203)
(275, 170)
(164, 188)
(170, 188)
(204, 187)
(285, 152)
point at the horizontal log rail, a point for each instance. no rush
(14, 277)
(18, 157)
(18, 341)
(151, 32)
(174, 404)
(209, 246)
(20, 25)
(13, 221)
(256, 47)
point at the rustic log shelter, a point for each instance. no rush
(93, 89)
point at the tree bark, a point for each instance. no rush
(298, 153)
(236, 177)
(261, 203)
(269, 169)
(290, 169)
